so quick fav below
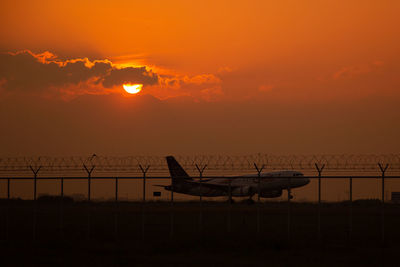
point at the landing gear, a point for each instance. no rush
(250, 201)
(231, 200)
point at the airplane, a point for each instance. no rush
(271, 185)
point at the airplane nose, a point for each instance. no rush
(306, 181)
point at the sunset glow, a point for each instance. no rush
(134, 102)
(133, 88)
(208, 76)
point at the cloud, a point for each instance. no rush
(45, 74)
(27, 71)
(357, 70)
(129, 75)
(212, 94)
(207, 87)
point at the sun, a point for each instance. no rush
(132, 88)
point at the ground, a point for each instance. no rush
(110, 234)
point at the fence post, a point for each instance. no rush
(201, 170)
(383, 170)
(89, 173)
(230, 204)
(171, 233)
(350, 208)
(116, 209)
(144, 171)
(8, 188)
(259, 170)
(8, 210)
(61, 211)
(289, 196)
(35, 172)
(319, 169)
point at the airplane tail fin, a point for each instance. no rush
(178, 174)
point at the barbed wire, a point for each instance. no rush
(215, 163)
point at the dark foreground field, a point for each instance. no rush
(107, 234)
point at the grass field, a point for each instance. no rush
(119, 234)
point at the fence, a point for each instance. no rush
(216, 164)
(14, 170)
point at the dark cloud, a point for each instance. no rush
(129, 74)
(28, 71)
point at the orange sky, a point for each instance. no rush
(219, 77)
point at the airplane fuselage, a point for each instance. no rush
(268, 185)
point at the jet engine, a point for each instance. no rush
(270, 194)
(242, 191)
